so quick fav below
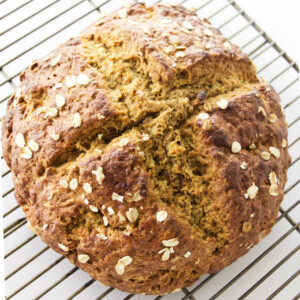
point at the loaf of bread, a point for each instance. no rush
(146, 150)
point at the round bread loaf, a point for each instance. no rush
(146, 150)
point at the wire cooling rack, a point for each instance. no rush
(30, 29)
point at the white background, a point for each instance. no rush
(280, 19)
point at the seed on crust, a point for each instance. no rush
(246, 227)
(60, 100)
(252, 191)
(122, 263)
(187, 25)
(123, 142)
(180, 48)
(174, 39)
(63, 247)
(17, 96)
(20, 140)
(222, 103)
(145, 137)
(64, 183)
(83, 258)
(47, 57)
(166, 254)
(137, 196)
(132, 214)
(265, 155)
(56, 60)
(261, 110)
(261, 235)
(54, 136)
(202, 116)
(99, 175)
(87, 187)
(73, 184)
(128, 230)
(70, 80)
(161, 216)
(93, 208)
(168, 49)
(236, 147)
(274, 151)
(100, 116)
(76, 120)
(120, 269)
(185, 30)
(33, 145)
(273, 118)
(207, 107)
(102, 236)
(187, 254)
(141, 154)
(126, 260)
(110, 211)
(121, 217)
(206, 124)
(171, 243)
(180, 54)
(208, 32)
(283, 143)
(105, 221)
(243, 165)
(227, 45)
(82, 79)
(25, 153)
(274, 190)
(273, 178)
(51, 112)
(57, 86)
(117, 197)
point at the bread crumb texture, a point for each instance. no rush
(146, 150)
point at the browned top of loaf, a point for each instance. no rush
(192, 149)
(172, 45)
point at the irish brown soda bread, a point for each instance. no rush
(146, 150)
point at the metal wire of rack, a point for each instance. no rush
(33, 270)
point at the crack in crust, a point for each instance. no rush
(152, 100)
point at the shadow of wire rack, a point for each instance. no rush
(30, 29)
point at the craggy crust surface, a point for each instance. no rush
(185, 135)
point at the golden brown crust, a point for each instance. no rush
(147, 168)
(243, 121)
(174, 43)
